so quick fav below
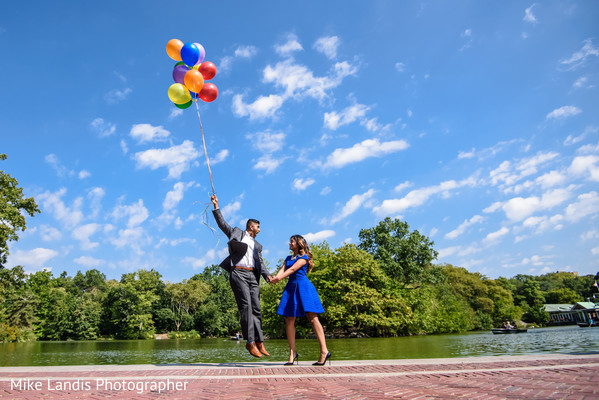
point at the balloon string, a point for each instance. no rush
(204, 143)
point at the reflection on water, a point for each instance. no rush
(570, 339)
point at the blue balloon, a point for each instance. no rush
(190, 54)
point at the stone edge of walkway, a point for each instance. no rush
(275, 364)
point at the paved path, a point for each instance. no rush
(510, 377)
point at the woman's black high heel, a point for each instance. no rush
(328, 357)
(294, 360)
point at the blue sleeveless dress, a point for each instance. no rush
(300, 295)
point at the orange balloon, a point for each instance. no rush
(194, 80)
(173, 49)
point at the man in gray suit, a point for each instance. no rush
(245, 265)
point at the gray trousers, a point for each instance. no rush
(247, 295)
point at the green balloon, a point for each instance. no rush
(184, 105)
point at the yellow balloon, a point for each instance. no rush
(173, 49)
(194, 80)
(178, 93)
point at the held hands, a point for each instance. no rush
(274, 280)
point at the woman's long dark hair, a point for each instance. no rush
(303, 248)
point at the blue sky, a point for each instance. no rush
(475, 122)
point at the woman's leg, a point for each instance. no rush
(290, 329)
(319, 332)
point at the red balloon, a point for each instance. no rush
(207, 69)
(209, 92)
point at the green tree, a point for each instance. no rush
(533, 302)
(185, 297)
(12, 209)
(217, 315)
(131, 303)
(357, 294)
(562, 295)
(405, 256)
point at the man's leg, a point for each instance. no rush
(238, 279)
(256, 316)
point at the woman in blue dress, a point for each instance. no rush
(300, 297)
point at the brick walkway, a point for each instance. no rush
(517, 377)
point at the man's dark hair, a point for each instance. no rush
(251, 221)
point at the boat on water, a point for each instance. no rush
(499, 331)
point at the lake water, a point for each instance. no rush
(570, 339)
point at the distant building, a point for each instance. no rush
(568, 314)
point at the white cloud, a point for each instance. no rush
(267, 141)
(176, 158)
(575, 139)
(495, 236)
(508, 174)
(402, 186)
(197, 263)
(136, 213)
(587, 204)
(302, 184)
(268, 163)
(400, 67)
(352, 205)
(147, 133)
(262, 107)
(89, 262)
(132, 237)
(583, 165)
(529, 16)
(418, 197)
(220, 156)
(52, 202)
(82, 234)
(291, 45)
(115, 96)
(328, 46)
(325, 190)
(578, 58)
(173, 197)
(49, 234)
(360, 151)
(477, 219)
(591, 234)
(84, 174)
(334, 120)
(552, 178)
(245, 52)
(581, 83)
(175, 112)
(318, 236)
(35, 258)
(563, 112)
(519, 208)
(103, 128)
(298, 81)
(60, 169)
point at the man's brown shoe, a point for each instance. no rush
(253, 349)
(261, 348)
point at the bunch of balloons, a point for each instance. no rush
(190, 74)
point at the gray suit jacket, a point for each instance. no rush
(237, 248)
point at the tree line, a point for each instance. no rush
(386, 285)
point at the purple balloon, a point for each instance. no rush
(179, 74)
(202, 53)
(190, 54)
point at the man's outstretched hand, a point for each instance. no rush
(214, 200)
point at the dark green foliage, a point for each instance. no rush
(12, 209)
